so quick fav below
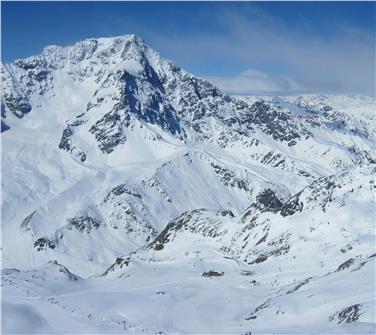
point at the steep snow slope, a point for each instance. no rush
(121, 169)
(294, 268)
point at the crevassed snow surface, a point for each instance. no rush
(137, 198)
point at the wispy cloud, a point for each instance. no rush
(254, 81)
(342, 61)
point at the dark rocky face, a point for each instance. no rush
(43, 243)
(18, 105)
(292, 206)
(83, 223)
(268, 201)
(347, 315)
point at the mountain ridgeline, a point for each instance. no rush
(140, 187)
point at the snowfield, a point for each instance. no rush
(139, 199)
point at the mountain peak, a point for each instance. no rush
(126, 37)
(114, 155)
(103, 50)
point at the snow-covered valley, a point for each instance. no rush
(137, 198)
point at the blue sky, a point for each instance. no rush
(250, 47)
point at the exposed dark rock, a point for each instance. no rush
(327, 108)
(262, 239)
(28, 64)
(65, 271)
(267, 201)
(82, 157)
(360, 265)
(321, 191)
(348, 247)
(292, 206)
(4, 126)
(348, 315)
(26, 221)
(297, 287)
(119, 263)
(275, 159)
(266, 304)
(43, 243)
(275, 122)
(40, 76)
(119, 190)
(65, 142)
(345, 265)
(229, 178)
(227, 213)
(196, 222)
(251, 317)
(17, 105)
(260, 259)
(282, 250)
(212, 273)
(158, 247)
(304, 174)
(83, 223)
(171, 228)
(108, 131)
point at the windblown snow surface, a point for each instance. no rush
(137, 198)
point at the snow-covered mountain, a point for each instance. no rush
(139, 198)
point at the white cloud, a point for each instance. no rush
(341, 61)
(253, 81)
